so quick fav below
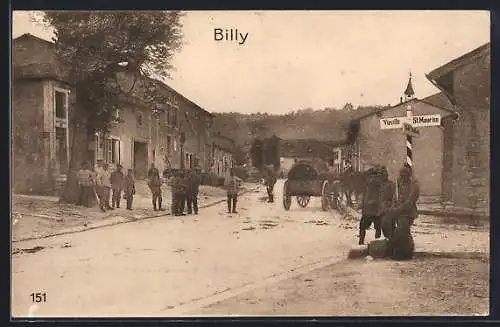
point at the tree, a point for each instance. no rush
(95, 48)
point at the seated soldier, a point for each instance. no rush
(400, 217)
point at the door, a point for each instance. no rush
(140, 159)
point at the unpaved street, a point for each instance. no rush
(152, 267)
(174, 266)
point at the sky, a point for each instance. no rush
(311, 59)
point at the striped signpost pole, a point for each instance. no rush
(409, 150)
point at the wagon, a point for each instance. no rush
(311, 179)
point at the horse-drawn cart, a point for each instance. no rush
(311, 179)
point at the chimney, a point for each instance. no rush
(400, 99)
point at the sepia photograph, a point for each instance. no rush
(250, 163)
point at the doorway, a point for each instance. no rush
(140, 159)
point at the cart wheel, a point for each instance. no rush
(287, 199)
(325, 196)
(303, 201)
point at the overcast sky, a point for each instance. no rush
(293, 60)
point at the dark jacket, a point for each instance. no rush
(154, 180)
(116, 179)
(372, 197)
(128, 185)
(179, 185)
(408, 194)
(387, 196)
(193, 183)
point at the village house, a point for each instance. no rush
(466, 82)
(44, 128)
(374, 145)
(222, 155)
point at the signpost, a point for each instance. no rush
(409, 126)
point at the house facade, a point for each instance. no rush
(466, 82)
(374, 145)
(44, 128)
(222, 155)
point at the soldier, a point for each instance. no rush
(232, 185)
(85, 182)
(104, 183)
(117, 185)
(183, 189)
(176, 184)
(402, 215)
(154, 183)
(193, 189)
(388, 193)
(270, 182)
(129, 188)
(370, 208)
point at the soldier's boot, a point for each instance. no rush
(229, 205)
(362, 234)
(271, 198)
(154, 204)
(159, 205)
(234, 206)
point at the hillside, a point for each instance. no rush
(323, 125)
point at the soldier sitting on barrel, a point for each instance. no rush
(397, 223)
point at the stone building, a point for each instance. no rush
(466, 82)
(45, 129)
(222, 155)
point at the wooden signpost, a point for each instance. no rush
(409, 126)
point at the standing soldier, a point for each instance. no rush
(129, 188)
(85, 182)
(104, 183)
(402, 215)
(154, 183)
(117, 185)
(370, 208)
(270, 182)
(232, 186)
(193, 189)
(183, 189)
(178, 193)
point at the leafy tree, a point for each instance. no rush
(96, 48)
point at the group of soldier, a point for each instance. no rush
(102, 184)
(185, 184)
(391, 209)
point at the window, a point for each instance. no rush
(186, 162)
(169, 144)
(61, 150)
(112, 151)
(140, 119)
(60, 102)
(174, 117)
(175, 145)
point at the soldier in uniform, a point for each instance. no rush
(178, 196)
(194, 182)
(401, 216)
(387, 199)
(154, 183)
(85, 182)
(270, 181)
(129, 188)
(370, 208)
(117, 185)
